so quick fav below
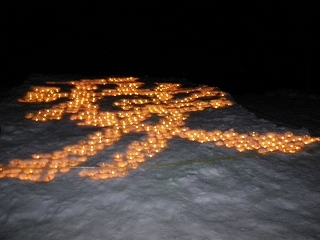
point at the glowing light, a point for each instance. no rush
(81, 105)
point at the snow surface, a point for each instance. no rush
(189, 190)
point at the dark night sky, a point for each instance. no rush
(253, 46)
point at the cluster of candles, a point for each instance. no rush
(43, 94)
(283, 142)
(133, 116)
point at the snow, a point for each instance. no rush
(189, 189)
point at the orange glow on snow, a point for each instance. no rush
(82, 106)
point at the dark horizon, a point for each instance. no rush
(238, 48)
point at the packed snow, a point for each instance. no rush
(147, 158)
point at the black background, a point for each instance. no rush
(241, 47)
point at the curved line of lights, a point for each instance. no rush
(162, 101)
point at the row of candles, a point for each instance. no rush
(132, 118)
